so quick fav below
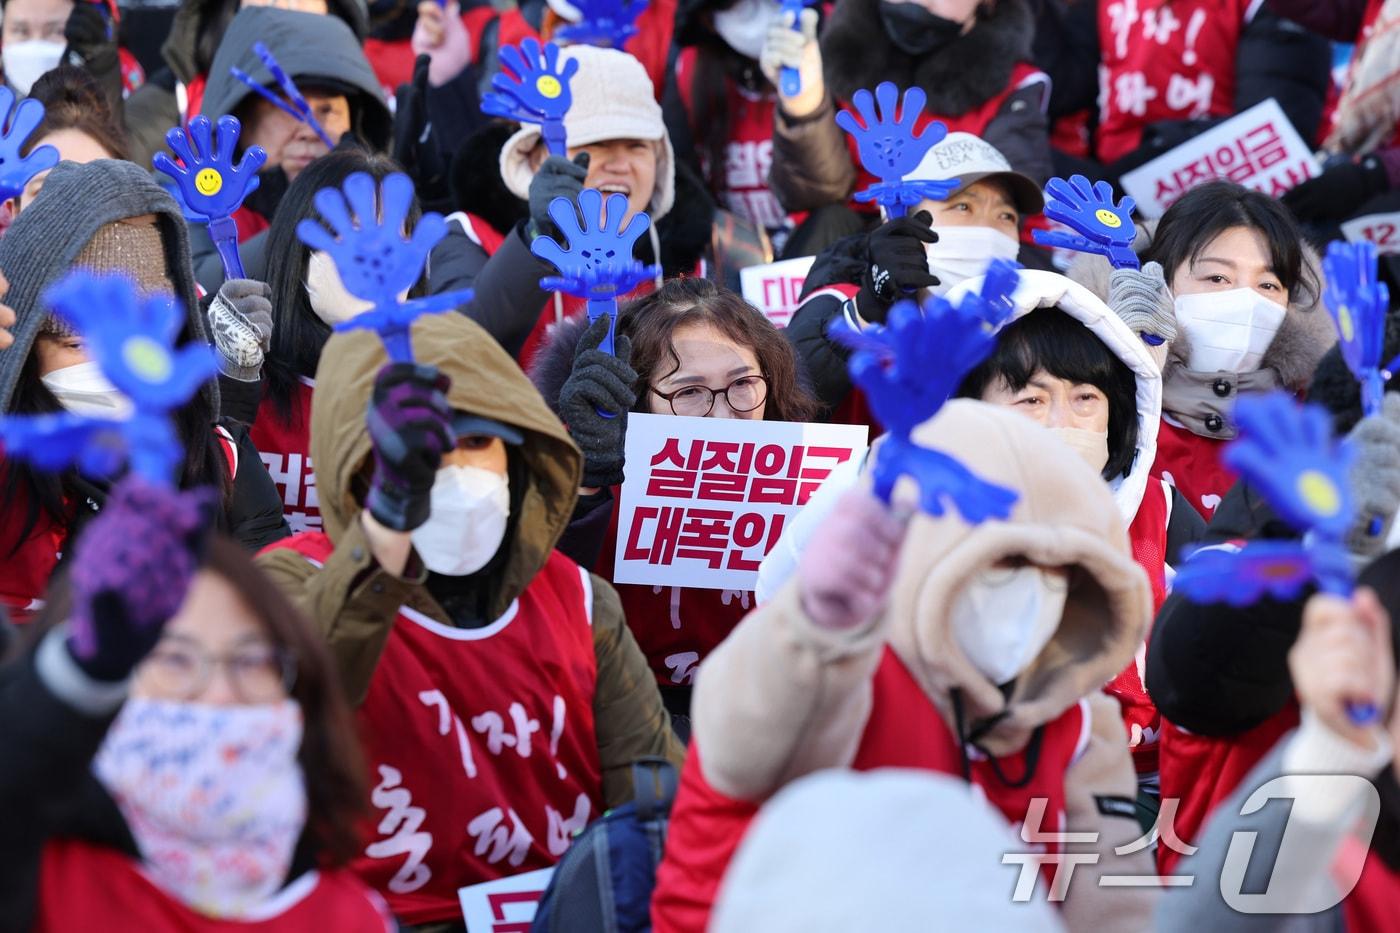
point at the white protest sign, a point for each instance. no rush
(1380, 229)
(774, 287)
(705, 499)
(1258, 149)
(506, 905)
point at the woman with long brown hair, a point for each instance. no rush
(694, 349)
(178, 752)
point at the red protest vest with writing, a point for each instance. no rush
(1199, 771)
(905, 730)
(974, 121)
(748, 152)
(675, 626)
(1147, 536)
(1164, 60)
(1192, 464)
(83, 886)
(285, 446)
(481, 746)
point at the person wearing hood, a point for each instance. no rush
(178, 753)
(323, 56)
(976, 651)
(972, 59)
(175, 93)
(1244, 317)
(1331, 856)
(500, 697)
(1067, 361)
(109, 217)
(938, 245)
(617, 144)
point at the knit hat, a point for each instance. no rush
(73, 222)
(892, 850)
(971, 159)
(613, 99)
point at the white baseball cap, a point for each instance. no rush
(971, 159)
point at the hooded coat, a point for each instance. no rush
(38, 251)
(172, 95)
(981, 83)
(1198, 407)
(754, 732)
(313, 50)
(357, 604)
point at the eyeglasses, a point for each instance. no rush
(257, 673)
(743, 394)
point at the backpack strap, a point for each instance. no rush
(654, 782)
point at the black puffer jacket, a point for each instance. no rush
(811, 162)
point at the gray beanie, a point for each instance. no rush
(41, 245)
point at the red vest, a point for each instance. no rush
(1200, 771)
(748, 153)
(905, 730)
(285, 446)
(675, 626)
(974, 121)
(1372, 904)
(1192, 464)
(482, 752)
(83, 886)
(1164, 60)
(1147, 536)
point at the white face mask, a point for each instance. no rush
(84, 390)
(1004, 617)
(25, 62)
(1228, 331)
(963, 253)
(1091, 445)
(213, 795)
(744, 26)
(329, 299)
(468, 521)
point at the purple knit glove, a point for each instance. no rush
(131, 568)
(410, 426)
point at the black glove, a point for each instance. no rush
(410, 427)
(415, 145)
(599, 381)
(1338, 191)
(896, 265)
(557, 178)
(92, 43)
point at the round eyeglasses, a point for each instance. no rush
(257, 673)
(743, 394)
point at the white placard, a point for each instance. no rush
(1258, 148)
(506, 905)
(705, 499)
(773, 288)
(1380, 229)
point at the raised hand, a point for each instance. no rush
(784, 49)
(375, 260)
(132, 339)
(17, 170)
(1358, 304)
(209, 185)
(594, 402)
(598, 264)
(410, 429)
(131, 568)
(1287, 453)
(539, 92)
(1343, 666)
(1105, 228)
(890, 148)
(845, 572)
(605, 23)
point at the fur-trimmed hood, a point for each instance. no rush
(962, 75)
(1304, 338)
